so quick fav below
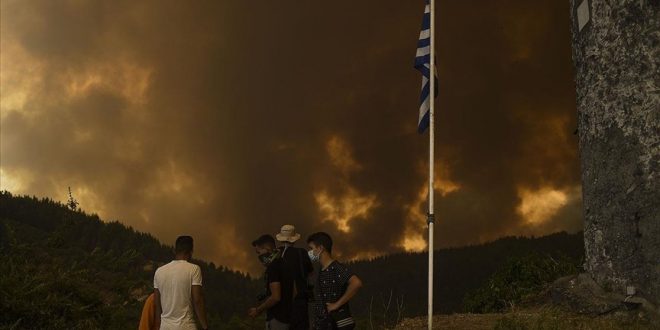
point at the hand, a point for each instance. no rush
(331, 307)
(253, 312)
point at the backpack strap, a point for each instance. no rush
(302, 278)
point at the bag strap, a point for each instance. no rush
(304, 275)
(300, 262)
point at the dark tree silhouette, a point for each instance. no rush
(72, 203)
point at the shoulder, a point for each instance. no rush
(162, 272)
(195, 273)
(194, 268)
(341, 269)
(162, 268)
(274, 270)
(338, 266)
(293, 254)
(302, 252)
(275, 267)
(276, 263)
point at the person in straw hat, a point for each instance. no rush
(298, 268)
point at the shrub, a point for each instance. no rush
(517, 279)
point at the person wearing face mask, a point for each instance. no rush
(279, 288)
(336, 285)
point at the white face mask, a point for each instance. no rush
(314, 257)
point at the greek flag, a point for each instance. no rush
(423, 64)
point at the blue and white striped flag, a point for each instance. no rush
(423, 64)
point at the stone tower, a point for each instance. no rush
(616, 52)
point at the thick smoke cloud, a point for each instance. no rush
(224, 120)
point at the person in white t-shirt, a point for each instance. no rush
(178, 290)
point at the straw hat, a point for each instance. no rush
(288, 234)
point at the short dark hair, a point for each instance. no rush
(322, 239)
(184, 244)
(264, 240)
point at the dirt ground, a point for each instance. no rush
(534, 319)
(454, 321)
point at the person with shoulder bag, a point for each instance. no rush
(336, 286)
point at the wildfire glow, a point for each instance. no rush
(536, 207)
(19, 74)
(415, 242)
(122, 77)
(8, 182)
(413, 239)
(341, 210)
(367, 255)
(22, 74)
(350, 204)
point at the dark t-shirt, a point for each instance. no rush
(332, 282)
(297, 267)
(282, 310)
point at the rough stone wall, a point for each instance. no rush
(616, 52)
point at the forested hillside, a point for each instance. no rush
(65, 269)
(458, 272)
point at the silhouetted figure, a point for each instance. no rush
(297, 268)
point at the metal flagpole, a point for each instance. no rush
(431, 162)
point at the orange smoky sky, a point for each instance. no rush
(227, 119)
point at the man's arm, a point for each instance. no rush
(273, 299)
(158, 309)
(354, 284)
(198, 302)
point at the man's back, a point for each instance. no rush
(174, 282)
(297, 266)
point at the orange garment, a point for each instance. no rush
(148, 319)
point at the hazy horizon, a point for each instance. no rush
(227, 120)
